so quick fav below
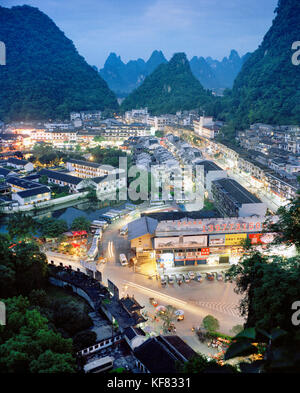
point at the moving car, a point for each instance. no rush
(123, 260)
(124, 230)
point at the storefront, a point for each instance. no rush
(219, 241)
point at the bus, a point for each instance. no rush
(99, 365)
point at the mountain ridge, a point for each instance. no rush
(44, 76)
(171, 87)
(215, 75)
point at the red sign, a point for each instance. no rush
(205, 251)
(79, 233)
(261, 238)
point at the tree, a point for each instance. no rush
(200, 364)
(84, 339)
(168, 317)
(28, 345)
(210, 323)
(23, 268)
(237, 329)
(21, 226)
(288, 226)
(51, 227)
(255, 277)
(81, 224)
(70, 316)
(43, 180)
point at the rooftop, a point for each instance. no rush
(34, 191)
(60, 176)
(236, 191)
(141, 227)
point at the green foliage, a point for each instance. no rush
(45, 77)
(43, 180)
(51, 227)
(236, 329)
(210, 323)
(81, 224)
(28, 345)
(199, 364)
(170, 88)
(21, 226)
(84, 339)
(288, 226)
(107, 156)
(159, 134)
(70, 317)
(22, 268)
(266, 90)
(256, 277)
(168, 317)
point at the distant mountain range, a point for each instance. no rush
(44, 76)
(123, 78)
(216, 75)
(171, 87)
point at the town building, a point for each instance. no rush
(74, 183)
(233, 200)
(192, 241)
(163, 354)
(20, 164)
(141, 233)
(32, 196)
(211, 172)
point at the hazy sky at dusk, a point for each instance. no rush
(134, 28)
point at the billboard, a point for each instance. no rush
(180, 242)
(262, 238)
(217, 240)
(235, 240)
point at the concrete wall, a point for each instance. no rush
(144, 242)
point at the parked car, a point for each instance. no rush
(199, 277)
(191, 275)
(179, 279)
(172, 279)
(210, 276)
(163, 281)
(123, 260)
(219, 276)
(186, 277)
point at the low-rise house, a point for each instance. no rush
(20, 164)
(32, 196)
(74, 183)
(141, 233)
(163, 354)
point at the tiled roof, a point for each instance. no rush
(60, 176)
(34, 191)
